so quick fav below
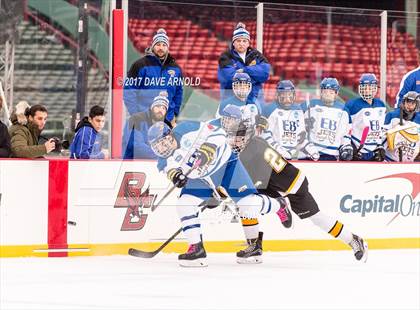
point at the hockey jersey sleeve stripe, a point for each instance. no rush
(186, 218)
(191, 227)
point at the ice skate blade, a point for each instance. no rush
(249, 260)
(200, 262)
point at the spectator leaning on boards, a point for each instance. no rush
(27, 125)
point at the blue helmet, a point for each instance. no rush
(368, 86)
(330, 83)
(241, 85)
(326, 96)
(368, 78)
(286, 93)
(157, 137)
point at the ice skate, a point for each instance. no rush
(253, 253)
(360, 248)
(195, 256)
(284, 212)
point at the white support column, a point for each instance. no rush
(384, 27)
(260, 26)
(125, 8)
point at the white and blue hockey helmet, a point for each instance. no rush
(329, 90)
(161, 139)
(239, 126)
(241, 85)
(286, 93)
(368, 86)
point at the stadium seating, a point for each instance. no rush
(45, 74)
(299, 51)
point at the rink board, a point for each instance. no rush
(61, 208)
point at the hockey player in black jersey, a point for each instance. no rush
(275, 176)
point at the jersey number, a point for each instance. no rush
(274, 160)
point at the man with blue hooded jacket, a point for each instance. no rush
(155, 72)
(243, 58)
(135, 141)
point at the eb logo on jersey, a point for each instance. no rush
(328, 124)
(131, 196)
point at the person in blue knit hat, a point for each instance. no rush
(135, 142)
(155, 72)
(241, 57)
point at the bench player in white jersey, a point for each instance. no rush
(286, 123)
(196, 158)
(328, 123)
(405, 137)
(369, 112)
(276, 176)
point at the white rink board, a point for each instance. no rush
(93, 187)
(24, 202)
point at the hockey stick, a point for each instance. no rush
(220, 194)
(363, 139)
(196, 164)
(146, 254)
(400, 153)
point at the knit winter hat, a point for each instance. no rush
(160, 36)
(20, 111)
(240, 32)
(161, 99)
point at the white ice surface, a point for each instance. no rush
(287, 280)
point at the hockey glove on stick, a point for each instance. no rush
(379, 154)
(205, 154)
(177, 177)
(345, 152)
(261, 122)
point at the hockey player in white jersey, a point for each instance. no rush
(368, 112)
(196, 158)
(286, 123)
(328, 123)
(403, 130)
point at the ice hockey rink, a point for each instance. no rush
(286, 280)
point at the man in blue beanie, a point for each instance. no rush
(155, 72)
(241, 57)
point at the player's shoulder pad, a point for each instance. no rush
(184, 127)
(378, 103)
(268, 109)
(354, 105)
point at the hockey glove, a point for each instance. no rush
(312, 151)
(177, 177)
(261, 122)
(345, 152)
(205, 154)
(379, 154)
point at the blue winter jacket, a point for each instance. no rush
(255, 65)
(87, 142)
(147, 77)
(135, 142)
(409, 82)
